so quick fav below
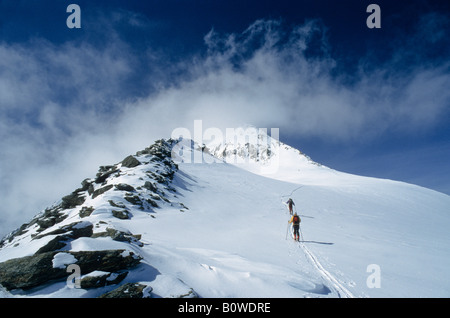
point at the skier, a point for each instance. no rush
(295, 220)
(290, 203)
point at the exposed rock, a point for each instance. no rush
(120, 236)
(86, 211)
(104, 172)
(150, 186)
(70, 232)
(130, 162)
(39, 269)
(190, 294)
(183, 206)
(31, 271)
(117, 204)
(117, 235)
(135, 200)
(87, 185)
(72, 200)
(76, 229)
(121, 214)
(130, 290)
(55, 244)
(125, 187)
(101, 191)
(49, 218)
(106, 260)
(100, 279)
(28, 272)
(45, 223)
(152, 203)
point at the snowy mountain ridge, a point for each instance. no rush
(249, 148)
(159, 224)
(86, 224)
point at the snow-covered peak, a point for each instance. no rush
(251, 148)
(260, 151)
(244, 145)
(162, 223)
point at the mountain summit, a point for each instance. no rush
(161, 224)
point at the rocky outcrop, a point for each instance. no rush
(98, 279)
(86, 211)
(125, 187)
(121, 214)
(100, 191)
(52, 232)
(72, 200)
(49, 218)
(66, 234)
(130, 162)
(31, 271)
(120, 236)
(28, 272)
(104, 172)
(129, 290)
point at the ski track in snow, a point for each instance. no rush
(340, 290)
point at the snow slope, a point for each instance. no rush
(349, 222)
(223, 231)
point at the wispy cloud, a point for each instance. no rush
(68, 108)
(50, 97)
(267, 76)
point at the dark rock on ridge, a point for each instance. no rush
(129, 290)
(31, 271)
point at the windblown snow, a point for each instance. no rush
(219, 229)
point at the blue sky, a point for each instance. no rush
(373, 102)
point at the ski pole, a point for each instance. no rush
(300, 228)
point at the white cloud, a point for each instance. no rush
(51, 98)
(66, 109)
(263, 77)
